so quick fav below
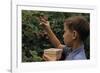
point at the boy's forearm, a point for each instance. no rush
(52, 37)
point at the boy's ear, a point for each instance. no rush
(75, 34)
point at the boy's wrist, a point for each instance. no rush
(47, 28)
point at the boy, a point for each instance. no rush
(76, 30)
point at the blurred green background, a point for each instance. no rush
(35, 39)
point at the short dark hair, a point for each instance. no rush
(80, 24)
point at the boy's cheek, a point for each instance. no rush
(67, 39)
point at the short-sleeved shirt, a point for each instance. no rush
(76, 54)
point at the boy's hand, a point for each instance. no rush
(44, 22)
(46, 25)
(47, 58)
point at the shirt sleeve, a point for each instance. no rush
(64, 53)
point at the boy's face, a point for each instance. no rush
(68, 36)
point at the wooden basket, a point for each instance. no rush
(53, 53)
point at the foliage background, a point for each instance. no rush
(35, 39)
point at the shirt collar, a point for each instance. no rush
(81, 47)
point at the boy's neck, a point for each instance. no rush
(76, 45)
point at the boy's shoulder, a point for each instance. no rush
(80, 55)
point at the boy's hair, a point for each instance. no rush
(80, 24)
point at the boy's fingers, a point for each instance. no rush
(43, 20)
(44, 17)
(45, 58)
(42, 24)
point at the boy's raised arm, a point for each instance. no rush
(52, 37)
